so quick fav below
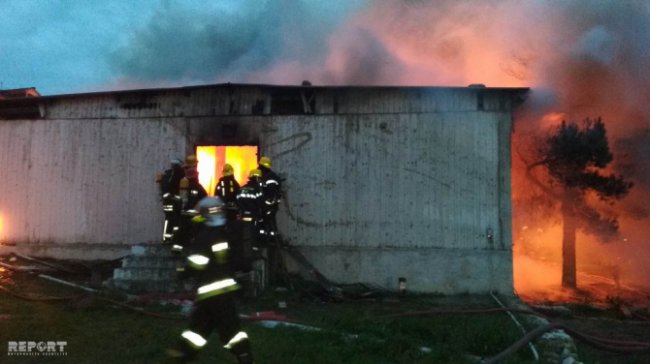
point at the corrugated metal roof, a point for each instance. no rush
(279, 88)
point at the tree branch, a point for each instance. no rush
(532, 178)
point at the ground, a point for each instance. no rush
(308, 326)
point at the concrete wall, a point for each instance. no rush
(73, 183)
(380, 183)
(411, 186)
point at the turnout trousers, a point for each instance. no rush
(217, 313)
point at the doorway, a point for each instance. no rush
(212, 158)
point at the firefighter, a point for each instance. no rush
(210, 263)
(194, 189)
(168, 183)
(172, 206)
(191, 192)
(271, 189)
(228, 189)
(250, 203)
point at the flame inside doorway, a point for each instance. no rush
(212, 158)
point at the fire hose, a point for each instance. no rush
(40, 298)
(605, 344)
(621, 347)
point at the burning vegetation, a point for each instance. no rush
(577, 193)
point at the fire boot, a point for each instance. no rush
(171, 208)
(240, 347)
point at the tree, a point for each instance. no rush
(574, 157)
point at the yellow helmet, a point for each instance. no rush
(227, 170)
(191, 161)
(265, 162)
(255, 173)
(184, 183)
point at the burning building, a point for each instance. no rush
(380, 182)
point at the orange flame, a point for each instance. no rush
(213, 158)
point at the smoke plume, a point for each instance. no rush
(581, 59)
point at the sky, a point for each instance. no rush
(62, 46)
(71, 46)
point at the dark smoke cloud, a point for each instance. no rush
(230, 41)
(362, 59)
(602, 67)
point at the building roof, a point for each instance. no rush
(18, 93)
(265, 99)
(279, 88)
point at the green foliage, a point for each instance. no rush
(574, 156)
(574, 153)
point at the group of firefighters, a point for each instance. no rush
(218, 236)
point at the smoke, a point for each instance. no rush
(227, 40)
(581, 58)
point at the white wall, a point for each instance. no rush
(407, 180)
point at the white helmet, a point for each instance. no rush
(211, 208)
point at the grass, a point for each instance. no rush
(348, 332)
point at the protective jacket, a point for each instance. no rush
(172, 205)
(191, 192)
(195, 193)
(227, 188)
(209, 262)
(271, 187)
(170, 179)
(250, 200)
(272, 192)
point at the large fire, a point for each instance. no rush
(576, 70)
(212, 159)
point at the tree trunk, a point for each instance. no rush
(569, 240)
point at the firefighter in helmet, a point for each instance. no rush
(210, 263)
(191, 192)
(191, 189)
(250, 203)
(272, 191)
(228, 188)
(169, 180)
(169, 183)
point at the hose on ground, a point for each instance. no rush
(40, 298)
(605, 344)
(461, 312)
(629, 348)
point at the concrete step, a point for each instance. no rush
(158, 250)
(134, 261)
(139, 286)
(145, 274)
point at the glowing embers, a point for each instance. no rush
(213, 158)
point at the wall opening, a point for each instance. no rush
(212, 158)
